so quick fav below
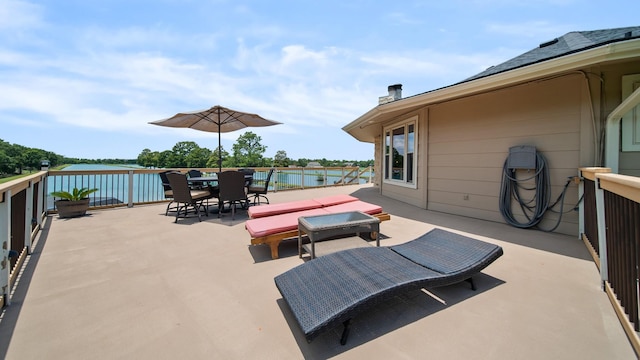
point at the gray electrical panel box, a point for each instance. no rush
(522, 157)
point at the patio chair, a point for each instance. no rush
(332, 289)
(248, 178)
(260, 191)
(232, 191)
(196, 184)
(187, 198)
(168, 193)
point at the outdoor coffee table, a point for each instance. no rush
(322, 227)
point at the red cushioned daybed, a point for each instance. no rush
(273, 229)
(301, 205)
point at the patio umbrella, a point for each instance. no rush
(217, 119)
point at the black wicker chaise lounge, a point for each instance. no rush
(332, 289)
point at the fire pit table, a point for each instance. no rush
(332, 226)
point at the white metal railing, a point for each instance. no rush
(22, 211)
(25, 202)
(140, 186)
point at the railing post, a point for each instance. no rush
(40, 198)
(28, 217)
(275, 180)
(581, 205)
(45, 195)
(302, 185)
(5, 244)
(602, 232)
(130, 195)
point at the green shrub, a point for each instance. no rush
(75, 195)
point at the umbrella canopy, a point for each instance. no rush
(216, 119)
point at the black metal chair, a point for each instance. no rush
(248, 176)
(168, 193)
(260, 191)
(232, 191)
(187, 198)
(196, 184)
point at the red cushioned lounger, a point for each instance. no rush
(301, 205)
(272, 230)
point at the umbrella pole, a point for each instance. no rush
(219, 145)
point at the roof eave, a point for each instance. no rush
(610, 52)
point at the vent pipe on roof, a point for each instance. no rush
(395, 93)
(548, 43)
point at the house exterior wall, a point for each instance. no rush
(377, 161)
(464, 143)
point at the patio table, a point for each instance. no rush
(323, 227)
(214, 179)
(213, 183)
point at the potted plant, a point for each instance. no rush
(74, 203)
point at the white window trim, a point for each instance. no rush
(631, 120)
(395, 125)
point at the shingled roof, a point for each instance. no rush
(571, 42)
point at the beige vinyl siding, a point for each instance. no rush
(469, 140)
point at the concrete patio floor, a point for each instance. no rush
(132, 284)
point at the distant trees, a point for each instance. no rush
(281, 159)
(15, 158)
(247, 151)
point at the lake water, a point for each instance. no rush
(76, 167)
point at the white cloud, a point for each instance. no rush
(15, 14)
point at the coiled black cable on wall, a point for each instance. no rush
(522, 158)
(534, 208)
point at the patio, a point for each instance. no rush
(130, 283)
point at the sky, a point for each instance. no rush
(83, 79)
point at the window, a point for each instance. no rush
(399, 153)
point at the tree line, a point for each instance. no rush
(15, 159)
(247, 151)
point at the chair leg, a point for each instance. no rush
(198, 212)
(261, 196)
(205, 206)
(233, 210)
(256, 199)
(178, 209)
